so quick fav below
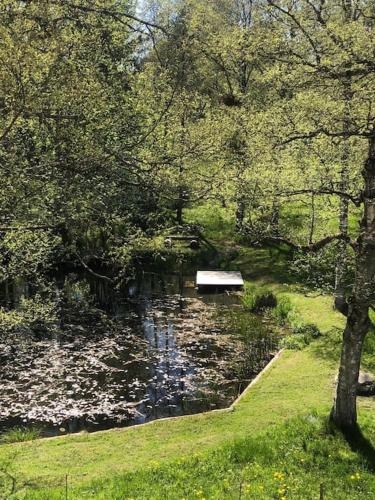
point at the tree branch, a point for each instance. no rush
(115, 14)
(93, 273)
(25, 228)
(356, 200)
(308, 37)
(311, 247)
(323, 131)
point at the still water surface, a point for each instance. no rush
(115, 359)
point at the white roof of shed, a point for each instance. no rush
(219, 278)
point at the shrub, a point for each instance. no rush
(36, 313)
(283, 309)
(257, 299)
(302, 335)
(294, 341)
(308, 329)
(20, 434)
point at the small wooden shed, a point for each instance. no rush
(211, 280)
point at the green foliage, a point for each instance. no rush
(36, 313)
(296, 342)
(19, 435)
(257, 299)
(317, 270)
(283, 310)
(106, 135)
(307, 329)
(28, 253)
(302, 332)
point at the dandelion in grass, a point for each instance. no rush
(355, 477)
(247, 488)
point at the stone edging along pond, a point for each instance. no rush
(254, 381)
(230, 408)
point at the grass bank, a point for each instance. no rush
(301, 458)
(86, 456)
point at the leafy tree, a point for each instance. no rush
(316, 49)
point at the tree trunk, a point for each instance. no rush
(179, 209)
(275, 218)
(180, 200)
(344, 412)
(240, 214)
(312, 220)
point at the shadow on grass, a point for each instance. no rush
(270, 264)
(360, 444)
(328, 347)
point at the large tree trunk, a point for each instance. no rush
(344, 411)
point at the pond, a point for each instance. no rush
(154, 350)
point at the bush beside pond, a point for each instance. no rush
(257, 299)
(284, 313)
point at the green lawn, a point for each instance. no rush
(299, 458)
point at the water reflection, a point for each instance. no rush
(155, 350)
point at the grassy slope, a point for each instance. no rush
(295, 460)
(299, 381)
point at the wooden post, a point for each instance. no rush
(321, 496)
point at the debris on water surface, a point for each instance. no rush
(162, 356)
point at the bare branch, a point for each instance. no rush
(322, 131)
(93, 273)
(356, 200)
(299, 25)
(115, 14)
(310, 248)
(10, 126)
(5, 229)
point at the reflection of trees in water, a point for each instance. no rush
(162, 356)
(198, 363)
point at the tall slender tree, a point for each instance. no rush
(326, 52)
